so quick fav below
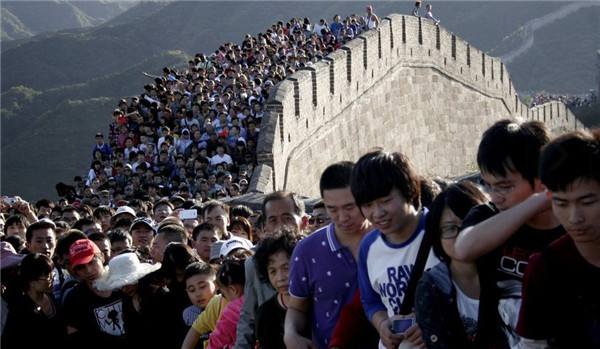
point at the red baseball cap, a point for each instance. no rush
(82, 252)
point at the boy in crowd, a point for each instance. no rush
(322, 280)
(502, 235)
(561, 292)
(280, 209)
(94, 318)
(199, 280)
(203, 237)
(387, 190)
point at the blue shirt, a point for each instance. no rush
(325, 271)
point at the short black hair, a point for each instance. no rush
(570, 157)
(198, 268)
(212, 204)
(15, 219)
(459, 198)
(241, 210)
(44, 203)
(102, 211)
(41, 224)
(173, 233)
(118, 235)
(81, 222)
(203, 227)
(16, 241)
(377, 173)
(96, 237)
(336, 176)
(283, 240)
(512, 146)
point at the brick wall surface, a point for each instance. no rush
(398, 87)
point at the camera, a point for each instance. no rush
(9, 201)
(400, 325)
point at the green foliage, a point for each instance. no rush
(58, 89)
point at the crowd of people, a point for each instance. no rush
(388, 260)
(194, 131)
(143, 252)
(573, 102)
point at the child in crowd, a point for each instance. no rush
(230, 280)
(273, 261)
(199, 279)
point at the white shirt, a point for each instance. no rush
(217, 159)
(468, 310)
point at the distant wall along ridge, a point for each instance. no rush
(409, 86)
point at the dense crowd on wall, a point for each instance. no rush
(572, 102)
(193, 132)
(143, 252)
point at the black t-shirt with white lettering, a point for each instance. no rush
(508, 262)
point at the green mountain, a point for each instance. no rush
(23, 19)
(59, 88)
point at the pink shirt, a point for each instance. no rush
(224, 335)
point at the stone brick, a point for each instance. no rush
(429, 105)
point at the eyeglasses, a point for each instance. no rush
(500, 189)
(449, 231)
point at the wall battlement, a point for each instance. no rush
(407, 80)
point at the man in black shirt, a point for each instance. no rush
(94, 318)
(518, 222)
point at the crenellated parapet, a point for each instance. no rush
(407, 85)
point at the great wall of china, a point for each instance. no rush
(408, 85)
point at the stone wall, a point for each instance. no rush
(409, 86)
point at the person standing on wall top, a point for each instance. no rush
(415, 11)
(429, 15)
(371, 19)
